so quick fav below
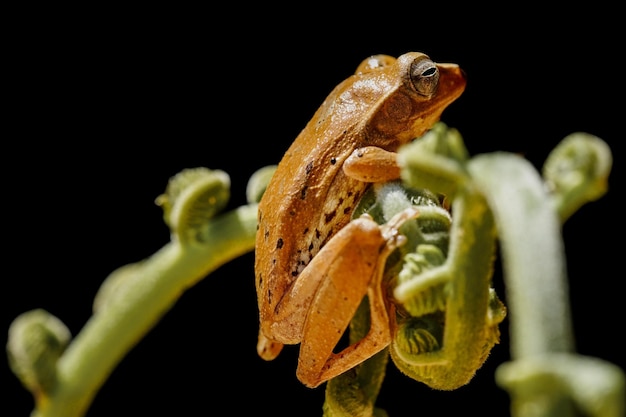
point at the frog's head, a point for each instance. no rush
(418, 90)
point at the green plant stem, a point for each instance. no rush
(147, 294)
(532, 253)
(545, 378)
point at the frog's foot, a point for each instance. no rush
(391, 229)
(268, 349)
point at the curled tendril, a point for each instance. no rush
(431, 299)
(114, 284)
(258, 183)
(419, 335)
(576, 172)
(447, 314)
(191, 198)
(37, 339)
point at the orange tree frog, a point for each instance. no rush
(314, 266)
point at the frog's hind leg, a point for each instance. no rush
(354, 272)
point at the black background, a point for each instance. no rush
(103, 106)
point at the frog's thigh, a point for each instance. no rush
(340, 269)
(372, 164)
(357, 267)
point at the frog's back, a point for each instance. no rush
(309, 197)
(307, 201)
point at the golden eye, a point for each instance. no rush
(424, 76)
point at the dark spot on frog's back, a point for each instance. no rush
(279, 243)
(303, 192)
(328, 217)
(309, 167)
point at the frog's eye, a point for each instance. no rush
(424, 76)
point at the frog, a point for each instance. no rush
(314, 264)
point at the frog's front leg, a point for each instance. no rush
(372, 164)
(328, 292)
